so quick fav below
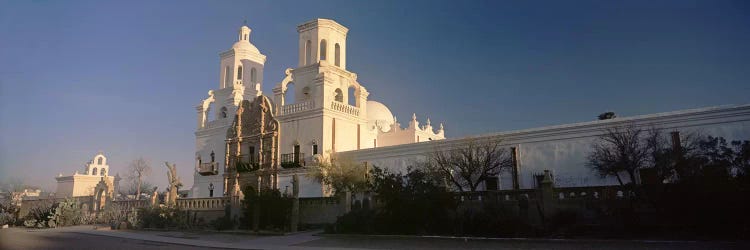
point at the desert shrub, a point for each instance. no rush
(40, 214)
(8, 213)
(166, 217)
(112, 214)
(412, 203)
(66, 213)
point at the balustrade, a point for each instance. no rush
(297, 107)
(345, 108)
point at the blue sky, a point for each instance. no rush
(124, 77)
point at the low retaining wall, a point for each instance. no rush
(320, 210)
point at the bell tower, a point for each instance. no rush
(322, 40)
(327, 112)
(240, 78)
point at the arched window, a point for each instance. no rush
(223, 112)
(213, 156)
(323, 49)
(93, 171)
(337, 55)
(308, 52)
(227, 76)
(239, 73)
(99, 161)
(253, 75)
(104, 172)
(339, 97)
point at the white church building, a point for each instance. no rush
(84, 184)
(330, 112)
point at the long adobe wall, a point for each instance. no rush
(562, 149)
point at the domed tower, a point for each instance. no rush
(240, 78)
(242, 65)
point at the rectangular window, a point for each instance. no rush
(315, 149)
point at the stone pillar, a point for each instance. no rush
(295, 204)
(548, 199)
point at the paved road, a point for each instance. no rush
(86, 238)
(370, 242)
(17, 238)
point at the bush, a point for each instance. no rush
(165, 217)
(273, 209)
(67, 213)
(40, 214)
(8, 213)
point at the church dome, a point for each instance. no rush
(245, 45)
(378, 115)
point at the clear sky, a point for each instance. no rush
(124, 77)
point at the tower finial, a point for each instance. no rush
(245, 21)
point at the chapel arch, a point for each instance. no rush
(239, 72)
(99, 160)
(94, 171)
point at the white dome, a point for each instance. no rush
(245, 45)
(378, 115)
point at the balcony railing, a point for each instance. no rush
(243, 167)
(345, 108)
(297, 107)
(292, 160)
(208, 168)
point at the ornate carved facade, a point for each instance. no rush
(252, 147)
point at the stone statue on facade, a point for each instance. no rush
(173, 181)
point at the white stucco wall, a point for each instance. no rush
(562, 149)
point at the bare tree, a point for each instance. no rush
(132, 187)
(138, 169)
(620, 149)
(470, 164)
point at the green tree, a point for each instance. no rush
(341, 174)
